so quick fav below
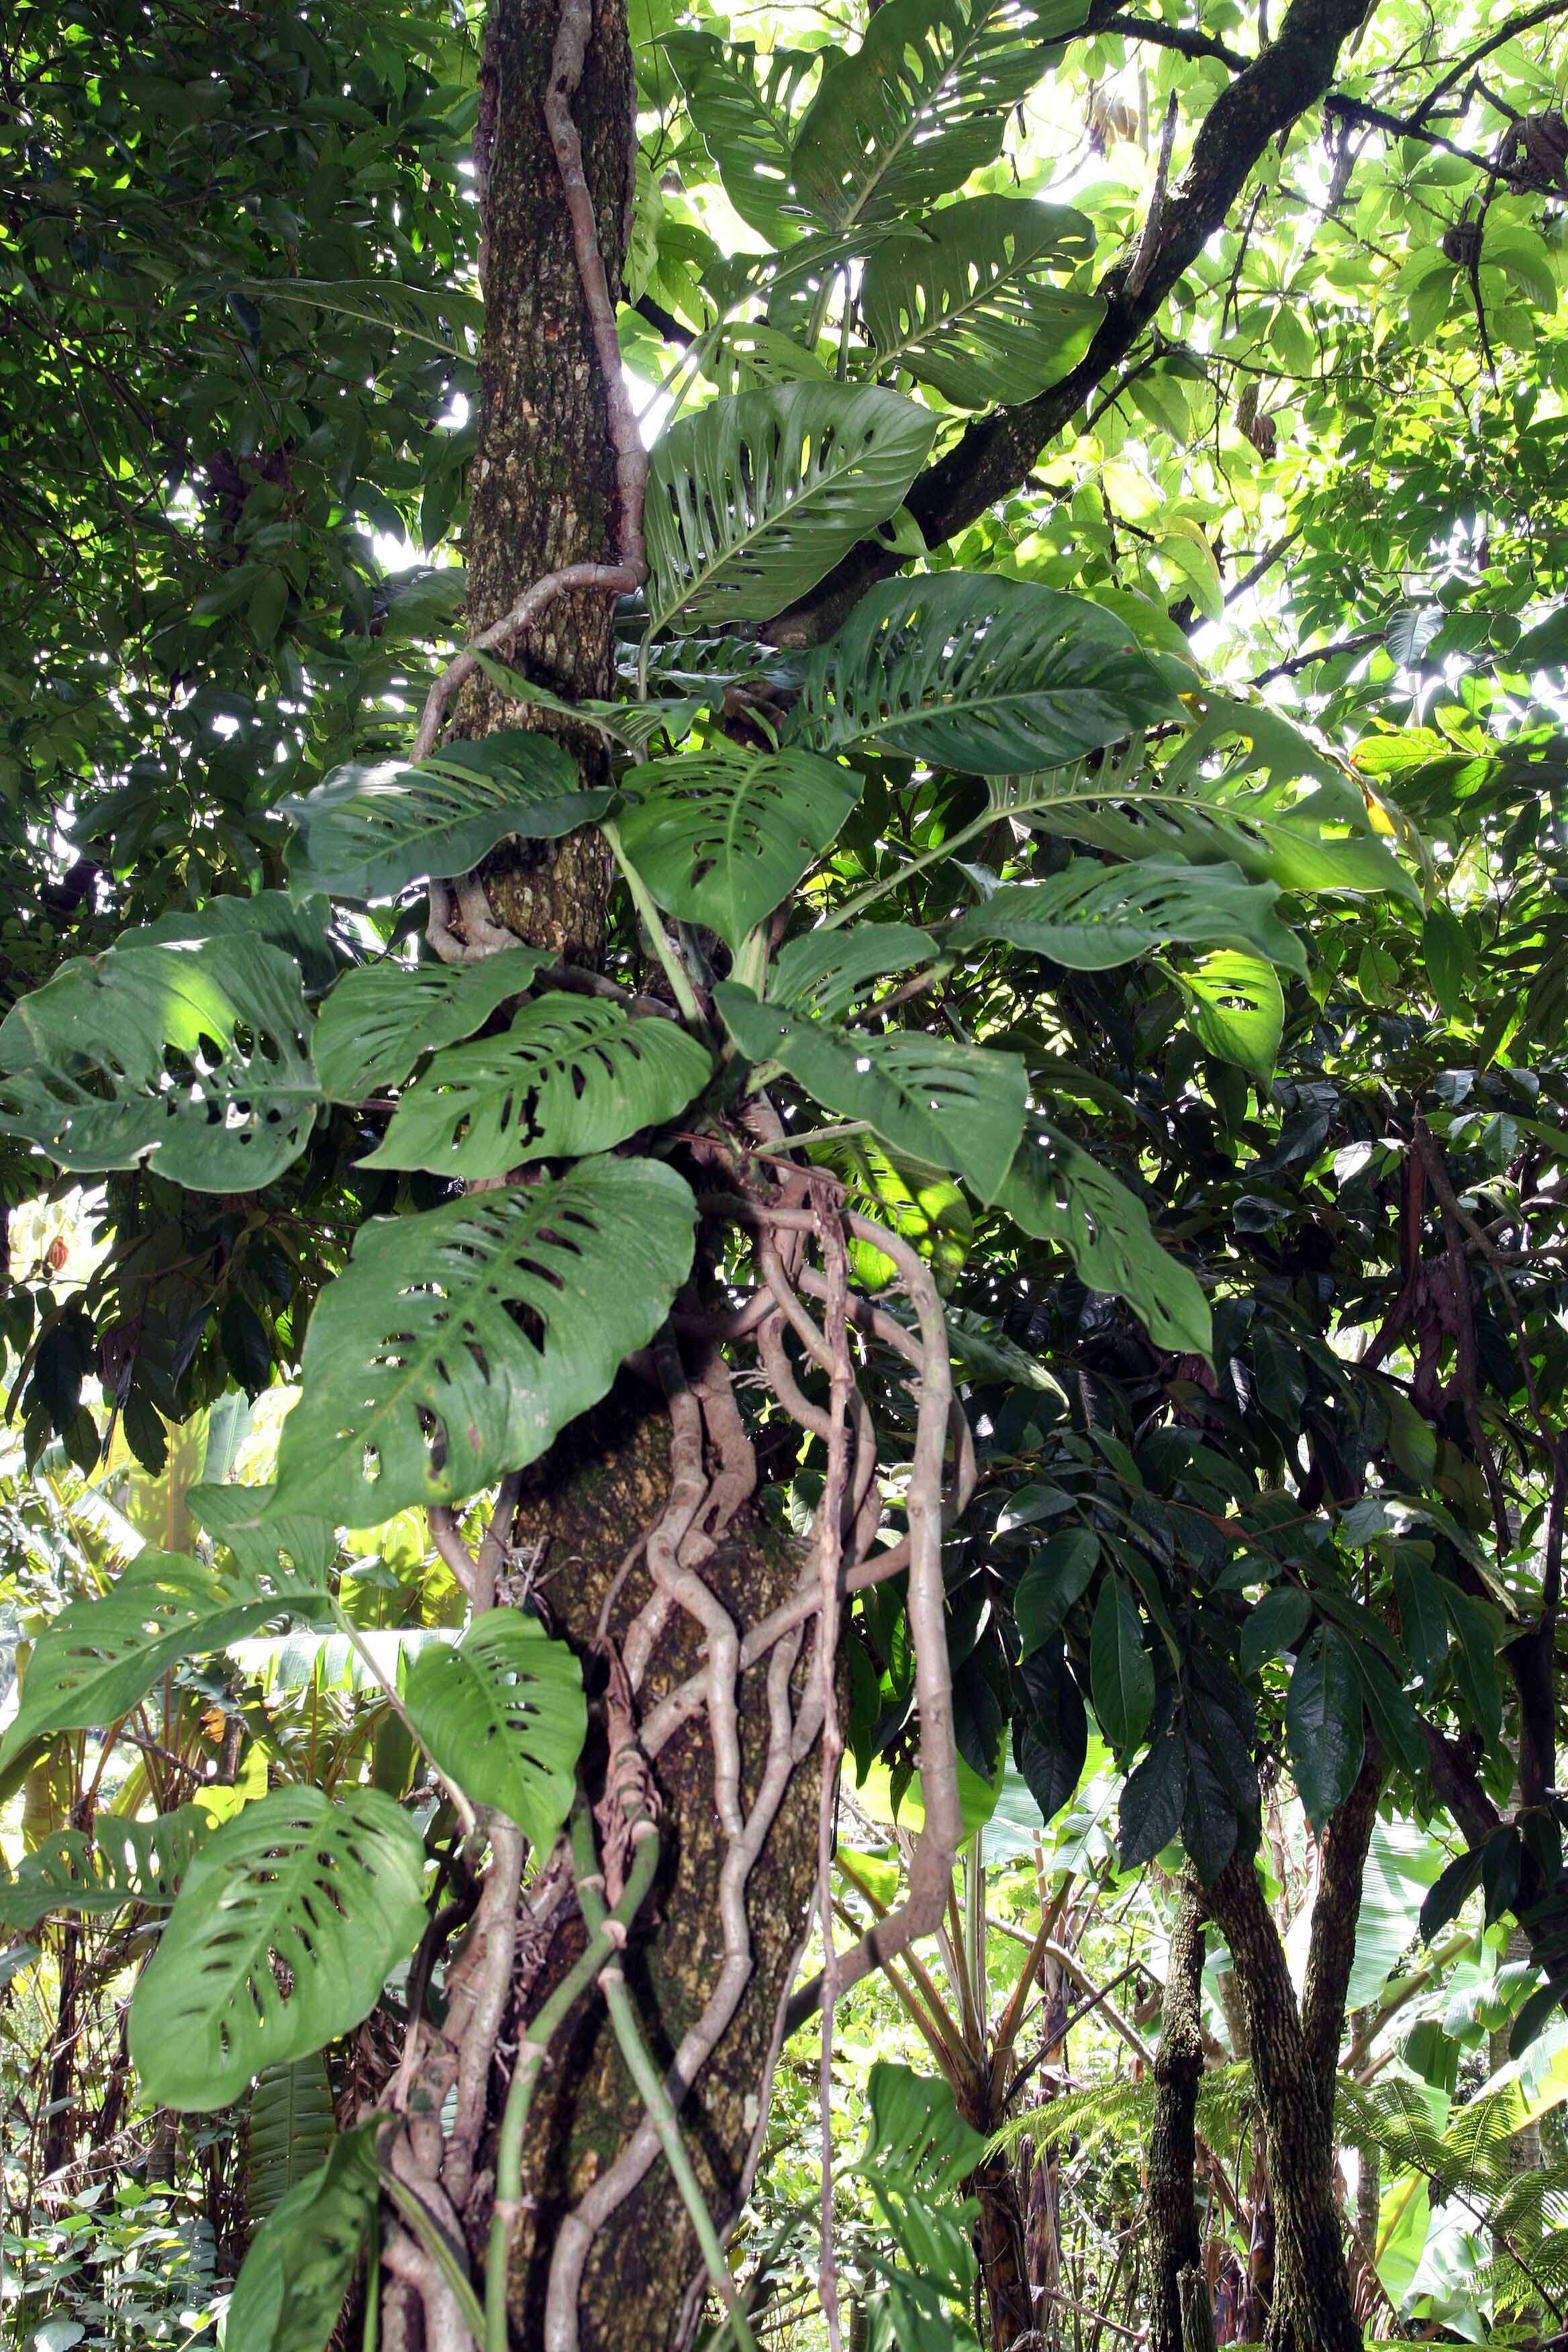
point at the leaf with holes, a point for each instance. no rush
(928, 1098)
(501, 1714)
(369, 832)
(198, 1055)
(1058, 1193)
(290, 2134)
(968, 302)
(571, 1076)
(300, 2264)
(980, 673)
(285, 1552)
(920, 104)
(1236, 1009)
(755, 497)
(723, 837)
(1089, 920)
(124, 1862)
(98, 1658)
(743, 109)
(822, 973)
(426, 1381)
(296, 1890)
(379, 1020)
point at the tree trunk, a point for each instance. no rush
(1294, 2056)
(1004, 2262)
(544, 495)
(1170, 2205)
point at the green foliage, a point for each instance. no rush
(289, 2133)
(300, 2265)
(124, 1862)
(721, 838)
(381, 1017)
(502, 1715)
(1091, 920)
(329, 1893)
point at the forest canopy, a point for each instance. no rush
(783, 1101)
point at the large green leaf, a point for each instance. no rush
(922, 104)
(824, 972)
(98, 1658)
(290, 2131)
(1236, 1009)
(124, 1862)
(1089, 918)
(1153, 1803)
(287, 1552)
(1121, 1673)
(572, 1076)
(501, 1712)
(423, 1383)
(1323, 1730)
(721, 838)
(755, 497)
(743, 108)
(980, 673)
(1246, 789)
(296, 1891)
(968, 303)
(919, 2152)
(1057, 1577)
(368, 833)
(301, 2262)
(928, 1098)
(199, 1055)
(379, 1019)
(1059, 1194)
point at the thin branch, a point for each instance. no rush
(1178, 37)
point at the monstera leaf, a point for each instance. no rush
(1058, 1193)
(928, 1098)
(1089, 920)
(290, 2133)
(755, 497)
(1236, 1009)
(743, 108)
(379, 1020)
(722, 837)
(285, 1552)
(501, 1714)
(922, 104)
(296, 1891)
(368, 833)
(424, 1385)
(572, 1076)
(918, 2152)
(301, 2262)
(969, 304)
(100, 1658)
(822, 973)
(980, 673)
(198, 1057)
(124, 1862)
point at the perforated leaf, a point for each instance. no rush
(1059, 1194)
(920, 104)
(301, 2262)
(755, 497)
(723, 837)
(743, 108)
(424, 1385)
(1089, 918)
(502, 1714)
(290, 2131)
(379, 1020)
(968, 303)
(124, 1862)
(1236, 1008)
(100, 1658)
(824, 972)
(296, 1891)
(197, 1056)
(572, 1076)
(369, 832)
(287, 1552)
(980, 673)
(919, 2152)
(928, 1099)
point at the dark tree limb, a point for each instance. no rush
(1524, 23)
(1376, 118)
(1331, 1948)
(997, 453)
(1185, 43)
(1170, 2205)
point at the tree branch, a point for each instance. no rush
(1353, 110)
(1494, 40)
(1176, 36)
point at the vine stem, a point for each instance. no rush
(653, 923)
(388, 1688)
(603, 1941)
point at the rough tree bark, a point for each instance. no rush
(543, 495)
(1170, 2205)
(1295, 2052)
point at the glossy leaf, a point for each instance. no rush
(822, 973)
(744, 107)
(1323, 1729)
(1050, 1735)
(196, 1058)
(501, 1712)
(979, 673)
(426, 1387)
(296, 1890)
(968, 303)
(1058, 1193)
(1237, 1009)
(572, 1076)
(289, 2135)
(1091, 919)
(300, 2265)
(380, 1018)
(1274, 1625)
(1153, 1803)
(723, 837)
(1121, 1673)
(753, 498)
(1057, 1577)
(369, 832)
